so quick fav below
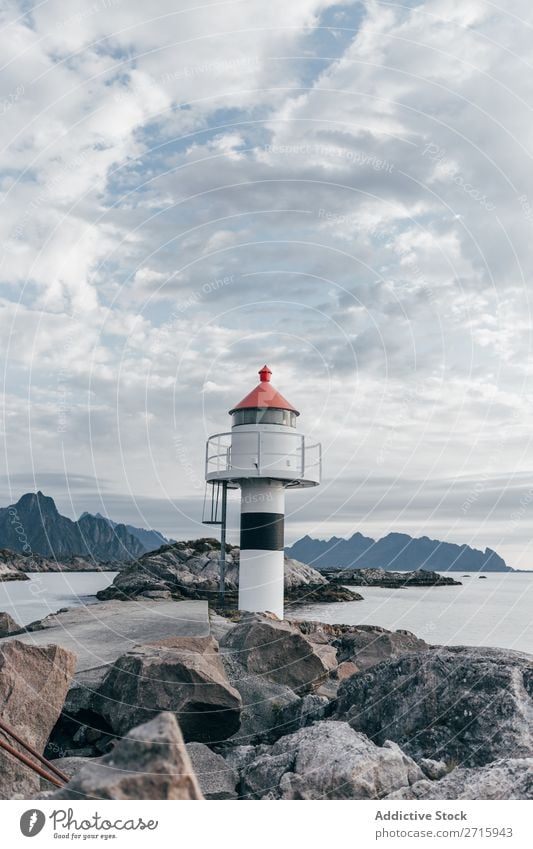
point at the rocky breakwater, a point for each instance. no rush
(296, 710)
(20, 565)
(386, 578)
(191, 570)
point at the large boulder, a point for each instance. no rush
(269, 710)
(510, 778)
(8, 626)
(463, 705)
(33, 685)
(362, 646)
(150, 762)
(263, 701)
(328, 760)
(184, 675)
(279, 652)
(217, 779)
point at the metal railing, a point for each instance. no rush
(304, 462)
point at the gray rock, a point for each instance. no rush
(280, 652)
(368, 647)
(361, 645)
(8, 570)
(263, 702)
(184, 675)
(387, 578)
(510, 778)
(217, 779)
(70, 766)
(328, 761)
(239, 757)
(304, 712)
(33, 685)
(461, 704)
(150, 762)
(8, 626)
(433, 769)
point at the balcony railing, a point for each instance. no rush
(304, 462)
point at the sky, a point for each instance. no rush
(342, 190)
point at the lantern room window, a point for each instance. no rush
(264, 415)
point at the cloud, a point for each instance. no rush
(193, 191)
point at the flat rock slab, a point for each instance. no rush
(100, 633)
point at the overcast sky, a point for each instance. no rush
(341, 190)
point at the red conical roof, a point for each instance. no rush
(264, 395)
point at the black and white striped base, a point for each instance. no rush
(261, 560)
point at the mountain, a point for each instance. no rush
(150, 539)
(400, 552)
(34, 526)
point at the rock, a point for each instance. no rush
(33, 685)
(328, 761)
(433, 769)
(280, 652)
(304, 712)
(460, 704)
(70, 766)
(22, 563)
(504, 779)
(362, 645)
(216, 777)
(239, 757)
(184, 675)
(8, 626)
(366, 647)
(156, 594)
(346, 669)
(386, 578)
(263, 702)
(8, 568)
(190, 569)
(150, 762)
(326, 594)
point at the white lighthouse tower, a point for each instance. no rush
(263, 454)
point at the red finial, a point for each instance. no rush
(264, 374)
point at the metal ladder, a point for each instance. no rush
(214, 513)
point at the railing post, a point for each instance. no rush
(222, 584)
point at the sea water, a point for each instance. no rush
(492, 611)
(47, 592)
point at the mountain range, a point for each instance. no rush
(399, 552)
(34, 526)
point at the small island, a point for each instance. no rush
(385, 578)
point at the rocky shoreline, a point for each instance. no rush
(385, 578)
(190, 570)
(267, 709)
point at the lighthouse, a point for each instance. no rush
(264, 455)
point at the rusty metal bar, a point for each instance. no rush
(25, 760)
(10, 732)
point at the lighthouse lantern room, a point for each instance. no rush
(264, 454)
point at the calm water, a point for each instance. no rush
(47, 592)
(497, 611)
